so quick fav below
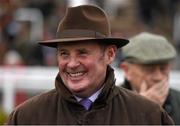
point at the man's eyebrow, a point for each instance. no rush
(61, 49)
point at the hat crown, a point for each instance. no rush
(148, 48)
(84, 21)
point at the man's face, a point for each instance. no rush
(150, 74)
(82, 66)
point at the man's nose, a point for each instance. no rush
(73, 62)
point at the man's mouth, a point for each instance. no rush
(76, 74)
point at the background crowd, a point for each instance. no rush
(23, 23)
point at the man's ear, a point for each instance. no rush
(124, 66)
(111, 53)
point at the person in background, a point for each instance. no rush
(13, 58)
(146, 64)
(85, 91)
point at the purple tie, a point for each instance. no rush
(86, 103)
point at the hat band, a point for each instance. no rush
(78, 33)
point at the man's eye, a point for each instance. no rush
(82, 52)
(63, 54)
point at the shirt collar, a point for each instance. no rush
(93, 97)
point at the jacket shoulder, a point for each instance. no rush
(40, 99)
(174, 97)
(175, 92)
(31, 108)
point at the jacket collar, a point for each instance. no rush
(103, 96)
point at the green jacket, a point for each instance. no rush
(171, 104)
(113, 106)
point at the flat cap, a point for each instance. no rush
(148, 48)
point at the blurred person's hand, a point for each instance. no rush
(157, 93)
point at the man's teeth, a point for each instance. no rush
(76, 74)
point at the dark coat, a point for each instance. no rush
(113, 106)
(171, 104)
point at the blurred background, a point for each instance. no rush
(27, 69)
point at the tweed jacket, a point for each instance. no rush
(114, 105)
(171, 104)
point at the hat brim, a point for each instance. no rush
(119, 42)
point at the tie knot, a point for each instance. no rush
(86, 103)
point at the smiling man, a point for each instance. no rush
(85, 91)
(82, 70)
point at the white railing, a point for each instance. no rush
(42, 78)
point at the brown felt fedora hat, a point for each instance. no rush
(84, 23)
